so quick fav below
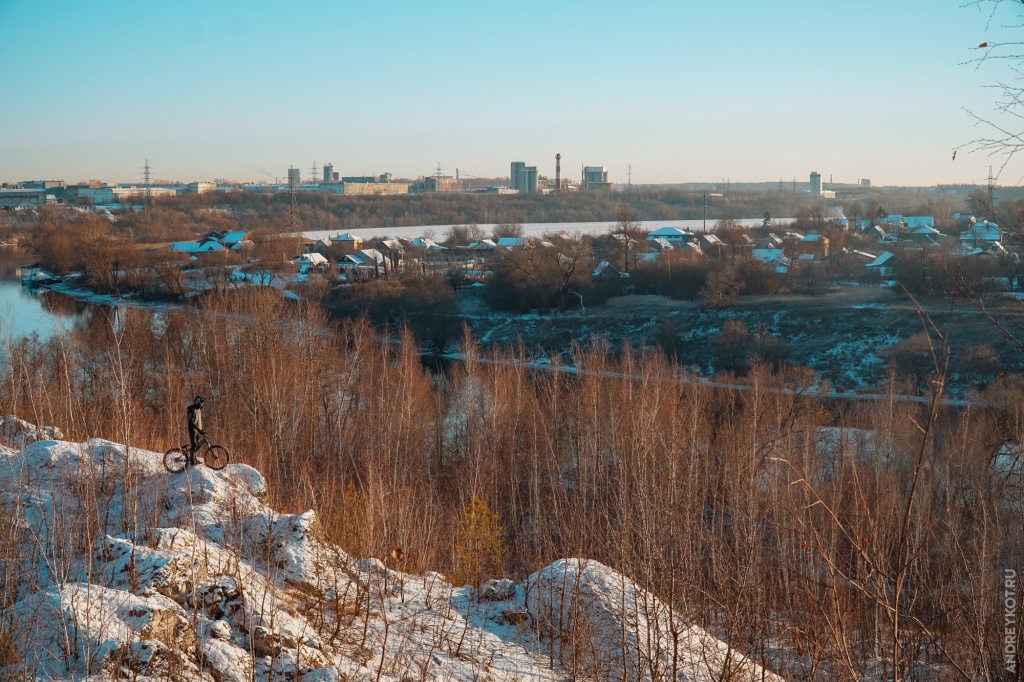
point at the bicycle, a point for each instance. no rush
(213, 456)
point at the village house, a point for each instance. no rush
(673, 235)
(364, 259)
(925, 236)
(980, 235)
(348, 243)
(774, 258)
(196, 247)
(711, 245)
(428, 244)
(312, 262)
(814, 245)
(883, 266)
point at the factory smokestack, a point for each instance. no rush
(558, 172)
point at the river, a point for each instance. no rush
(33, 311)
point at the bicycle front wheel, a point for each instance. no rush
(175, 460)
(216, 457)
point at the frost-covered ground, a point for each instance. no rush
(136, 573)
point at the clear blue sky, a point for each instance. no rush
(681, 90)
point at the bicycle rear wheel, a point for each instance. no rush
(175, 460)
(216, 457)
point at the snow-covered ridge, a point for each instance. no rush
(128, 571)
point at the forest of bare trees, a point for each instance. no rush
(827, 540)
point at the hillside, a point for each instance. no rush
(114, 568)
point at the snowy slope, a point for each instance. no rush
(193, 576)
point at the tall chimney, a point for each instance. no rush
(558, 172)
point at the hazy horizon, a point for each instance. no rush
(740, 91)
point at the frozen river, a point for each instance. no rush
(436, 232)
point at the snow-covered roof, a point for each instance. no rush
(428, 244)
(983, 231)
(483, 245)
(885, 259)
(768, 255)
(365, 257)
(669, 233)
(509, 242)
(346, 237)
(312, 258)
(713, 240)
(234, 236)
(206, 247)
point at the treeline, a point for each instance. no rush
(825, 540)
(323, 211)
(188, 216)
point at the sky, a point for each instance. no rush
(673, 90)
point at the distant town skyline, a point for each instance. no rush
(678, 92)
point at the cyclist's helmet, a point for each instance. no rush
(199, 400)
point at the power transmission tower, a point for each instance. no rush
(147, 176)
(629, 176)
(991, 187)
(438, 173)
(313, 174)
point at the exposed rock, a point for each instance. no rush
(168, 627)
(497, 590)
(220, 629)
(151, 658)
(226, 662)
(17, 433)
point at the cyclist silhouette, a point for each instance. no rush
(195, 424)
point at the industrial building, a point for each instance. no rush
(816, 183)
(596, 178)
(43, 184)
(361, 188)
(434, 183)
(335, 183)
(16, 198)
(523, 178)
(102, 195)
